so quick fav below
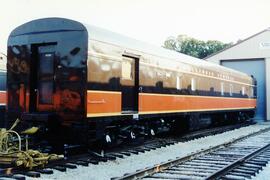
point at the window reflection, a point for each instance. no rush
(45, 92)
(46, 64)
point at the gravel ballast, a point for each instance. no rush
(130, 164)
(264, 174)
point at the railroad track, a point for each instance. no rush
(239, 159)
(93, 158)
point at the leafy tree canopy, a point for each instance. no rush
(194, 47)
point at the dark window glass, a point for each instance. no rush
(45, 92)
(46, 64)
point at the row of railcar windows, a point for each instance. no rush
(222, 87)
(102, 71)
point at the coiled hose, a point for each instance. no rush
(11, 151)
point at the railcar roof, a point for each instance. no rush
(47, 25)
(62, 24)
(101, 34)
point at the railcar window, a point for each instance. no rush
(231, 89)
(243, 91)
(193, 84)
(46, 65)
(222, 89)
(178, 83)
(252, 92)
(127, 69)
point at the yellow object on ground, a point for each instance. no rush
(31, 130)
(11, 150)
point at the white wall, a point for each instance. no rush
(3, 61)
(257, 46)
(267, 71)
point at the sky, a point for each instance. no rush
(151, 21)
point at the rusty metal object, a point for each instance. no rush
(11, 152)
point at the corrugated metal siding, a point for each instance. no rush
(256, 68)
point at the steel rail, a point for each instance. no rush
(163, 166)
(223, 171)
(10, 171)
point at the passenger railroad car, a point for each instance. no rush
(2, 88)
(66, 74)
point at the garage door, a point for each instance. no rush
(257, 69)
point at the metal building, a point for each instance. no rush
(252, 56)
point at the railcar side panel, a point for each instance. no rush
(3, 76)
(3, 98)
(103, 103)
(165, 103)
(163, 88)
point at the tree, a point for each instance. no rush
(194, 47)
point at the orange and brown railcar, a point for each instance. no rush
(2, 88)
(60, 71)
